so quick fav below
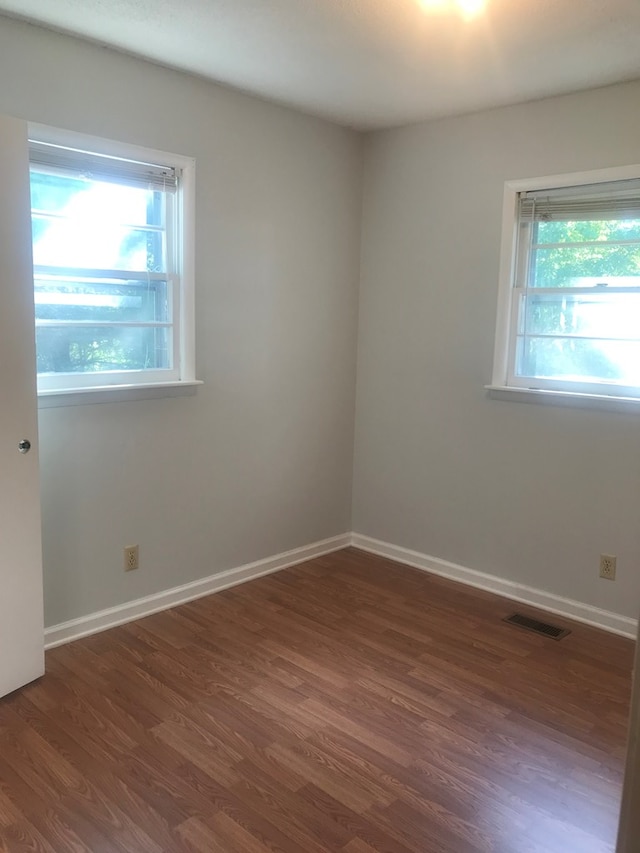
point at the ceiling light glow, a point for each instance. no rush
(467, 8)
(470, 7)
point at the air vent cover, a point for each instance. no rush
(544, 628)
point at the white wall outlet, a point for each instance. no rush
(608, 566)
(131, 558)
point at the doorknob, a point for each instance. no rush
(24, 445)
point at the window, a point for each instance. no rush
(569, 312)
(112, 290)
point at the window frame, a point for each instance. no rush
(72, 389)
(504, 383)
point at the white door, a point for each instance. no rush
(21, 619)
(629, 830)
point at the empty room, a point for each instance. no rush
(320, 467)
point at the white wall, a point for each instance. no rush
(528, 492)
(260, 460)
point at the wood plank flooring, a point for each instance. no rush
(347, 704)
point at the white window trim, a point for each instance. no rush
(185, 235)
(500, 387)
(116, 394)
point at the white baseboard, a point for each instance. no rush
(65, 632)
(103, 619)
(491, 583)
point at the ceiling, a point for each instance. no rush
(368, 63)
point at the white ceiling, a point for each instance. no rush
(368, 63)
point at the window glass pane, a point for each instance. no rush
(95, 224)
(586, 266)
(579, 360)
(58, 299)
(602, 315)
(574, 310)
(105, 283)
(54, 192)
(586, 230)
(87, 349)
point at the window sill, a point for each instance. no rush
(564, 398)
(115, 393)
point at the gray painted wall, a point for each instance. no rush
(260, 460)
(528, 492)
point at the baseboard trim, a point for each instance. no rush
(93, 623)
(65, 632)
(586, 613)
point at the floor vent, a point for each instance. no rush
(543, 628)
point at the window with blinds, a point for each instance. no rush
(574, 301)
(106, 257)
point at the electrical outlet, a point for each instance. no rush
(608, 566)
(131, 558)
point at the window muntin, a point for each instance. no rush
(574, 295)
(106, 257)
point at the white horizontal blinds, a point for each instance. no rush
(100, 167)
(610, 200)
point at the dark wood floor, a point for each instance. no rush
(348, 704)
